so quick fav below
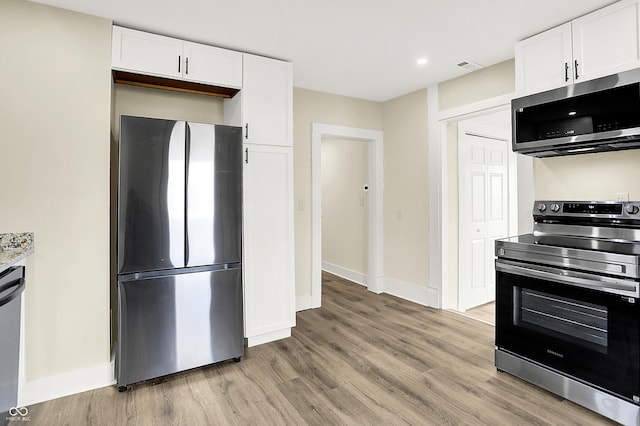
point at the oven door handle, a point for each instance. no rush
(576, 279)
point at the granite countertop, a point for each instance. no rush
(14, 247)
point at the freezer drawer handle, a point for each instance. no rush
(19, 286)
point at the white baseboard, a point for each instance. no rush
(76, 381)
(303, 303)
(406, 290)
(433, 297)
(356, 277)
(268, 337)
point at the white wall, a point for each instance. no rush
(54, 169)
(345, 205)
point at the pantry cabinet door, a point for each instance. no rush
(267, 95)
(269, 286)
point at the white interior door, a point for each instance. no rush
(483, 161)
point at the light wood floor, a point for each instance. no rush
(485, 313)
(362, 359)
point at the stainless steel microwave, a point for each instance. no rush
(592, 116)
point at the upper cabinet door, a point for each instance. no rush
(267, 101)
(544, 61)
(212, 65)
(146, 53)
(607, 41)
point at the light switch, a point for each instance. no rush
(301, 206)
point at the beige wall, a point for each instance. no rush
(345, 204)
(588, 177)
(406, 188)
(171, 105)
(54, 169)
(315, 107)
(483, 84)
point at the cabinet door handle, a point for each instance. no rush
(246, 131)
(566, 71)
(246, 155)
(179, 62)
(186, 65)
(576, 66)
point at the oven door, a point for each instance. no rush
(581, 325)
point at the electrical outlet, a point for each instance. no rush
(621, 196)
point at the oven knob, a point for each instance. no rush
(631, 209)
(555, 207)
(542, 207)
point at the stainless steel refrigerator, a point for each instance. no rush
(179, 247)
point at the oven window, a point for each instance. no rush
(582, 323)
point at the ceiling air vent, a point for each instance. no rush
(469, 66)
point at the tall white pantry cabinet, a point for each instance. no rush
(263, 108)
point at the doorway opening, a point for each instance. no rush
(454, 221)
(373, 139)
(345, 190)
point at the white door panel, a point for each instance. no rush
(483, 213)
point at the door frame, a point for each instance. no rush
(438, 187)
(375, 267)
(483, 131)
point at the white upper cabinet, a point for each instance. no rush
(598, 44)
(267, 97)
(607, 41)
(151, 54)
(146, 53)
(208, 64)
(544, 60)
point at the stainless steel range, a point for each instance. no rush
(568, 305)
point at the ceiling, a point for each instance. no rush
(360, 48)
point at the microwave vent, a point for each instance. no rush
(469, 66)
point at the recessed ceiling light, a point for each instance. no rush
(422, 61)
(572, 113)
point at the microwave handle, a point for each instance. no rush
(584, 281)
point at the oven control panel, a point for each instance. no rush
(608, 209)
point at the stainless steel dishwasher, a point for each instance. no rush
(11, 288)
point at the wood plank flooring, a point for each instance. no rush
(361, 359)
(485, 313)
